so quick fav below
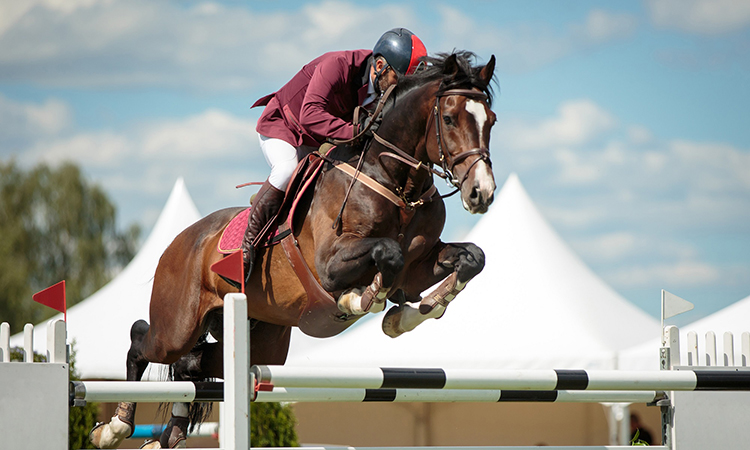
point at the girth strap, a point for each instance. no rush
(320, 316)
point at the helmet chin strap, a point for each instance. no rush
(378, 73)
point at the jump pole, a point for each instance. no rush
(724, 379)
(188, 391)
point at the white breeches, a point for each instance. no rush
(282, 157)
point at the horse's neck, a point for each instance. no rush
(393, 172)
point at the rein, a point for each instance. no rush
(447, 163)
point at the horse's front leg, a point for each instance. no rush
(455, 264)
(122, 424)
(349, 261)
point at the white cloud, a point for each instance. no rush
(28, 120)
(209, 46)
(528, 46)
(606, 247)
(213, 133)
(700, 16)
(713, 167)
(577, 122)
(574, 217)
(684, 273)
(617, 246)
(90, 150)
(639, 135)
(209, 136)
(602, 26)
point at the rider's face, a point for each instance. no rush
(388, 77)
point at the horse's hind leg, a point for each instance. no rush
(121, 426)
(459, 262)
(203, 362)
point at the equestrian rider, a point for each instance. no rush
(318, 104)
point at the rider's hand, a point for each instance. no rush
(366, 122)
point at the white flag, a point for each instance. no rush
(671, 305)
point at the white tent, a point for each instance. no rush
(535, 305)
(100, 325)
(733, 319)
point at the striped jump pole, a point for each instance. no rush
(281, 394)
(147, 391)
(188, 391)
(542, 380)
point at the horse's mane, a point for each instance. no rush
(467, 76)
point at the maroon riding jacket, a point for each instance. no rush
(319, 102)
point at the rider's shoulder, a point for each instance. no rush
(347, 57)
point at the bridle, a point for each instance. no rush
(447, 161)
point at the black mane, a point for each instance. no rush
(467, 76)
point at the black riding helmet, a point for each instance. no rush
(401, 49)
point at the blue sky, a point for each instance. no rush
(627, 122)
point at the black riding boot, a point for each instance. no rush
(265, 206)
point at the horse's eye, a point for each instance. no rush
(447, 120)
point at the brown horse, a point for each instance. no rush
(385, 244)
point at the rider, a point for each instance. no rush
(318, 104)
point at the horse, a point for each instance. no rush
(364, 242)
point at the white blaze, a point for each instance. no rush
(482, 172)
(476, 109)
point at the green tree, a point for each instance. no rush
(272, 425)
(55, 226)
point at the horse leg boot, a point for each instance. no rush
(265, 207)
(175, 434)
(357, 301)
(403, 318)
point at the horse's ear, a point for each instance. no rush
(450, 66)
(486, 73)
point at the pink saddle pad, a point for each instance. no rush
(231, 238)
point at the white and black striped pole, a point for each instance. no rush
(187, 391)
(542, 380)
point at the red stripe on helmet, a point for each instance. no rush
(418, 50)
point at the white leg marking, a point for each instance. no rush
(180, 409)
(112, 434)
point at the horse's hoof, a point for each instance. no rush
(391, 322)
(109, 435)
(151, 443)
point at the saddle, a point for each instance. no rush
(321, 316)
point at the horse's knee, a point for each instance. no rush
(470, 262)
(389, 259)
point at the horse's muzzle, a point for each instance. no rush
(478, 190)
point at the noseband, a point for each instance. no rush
(447, 161)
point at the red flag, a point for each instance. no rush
(54, 297)
(231, 267)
